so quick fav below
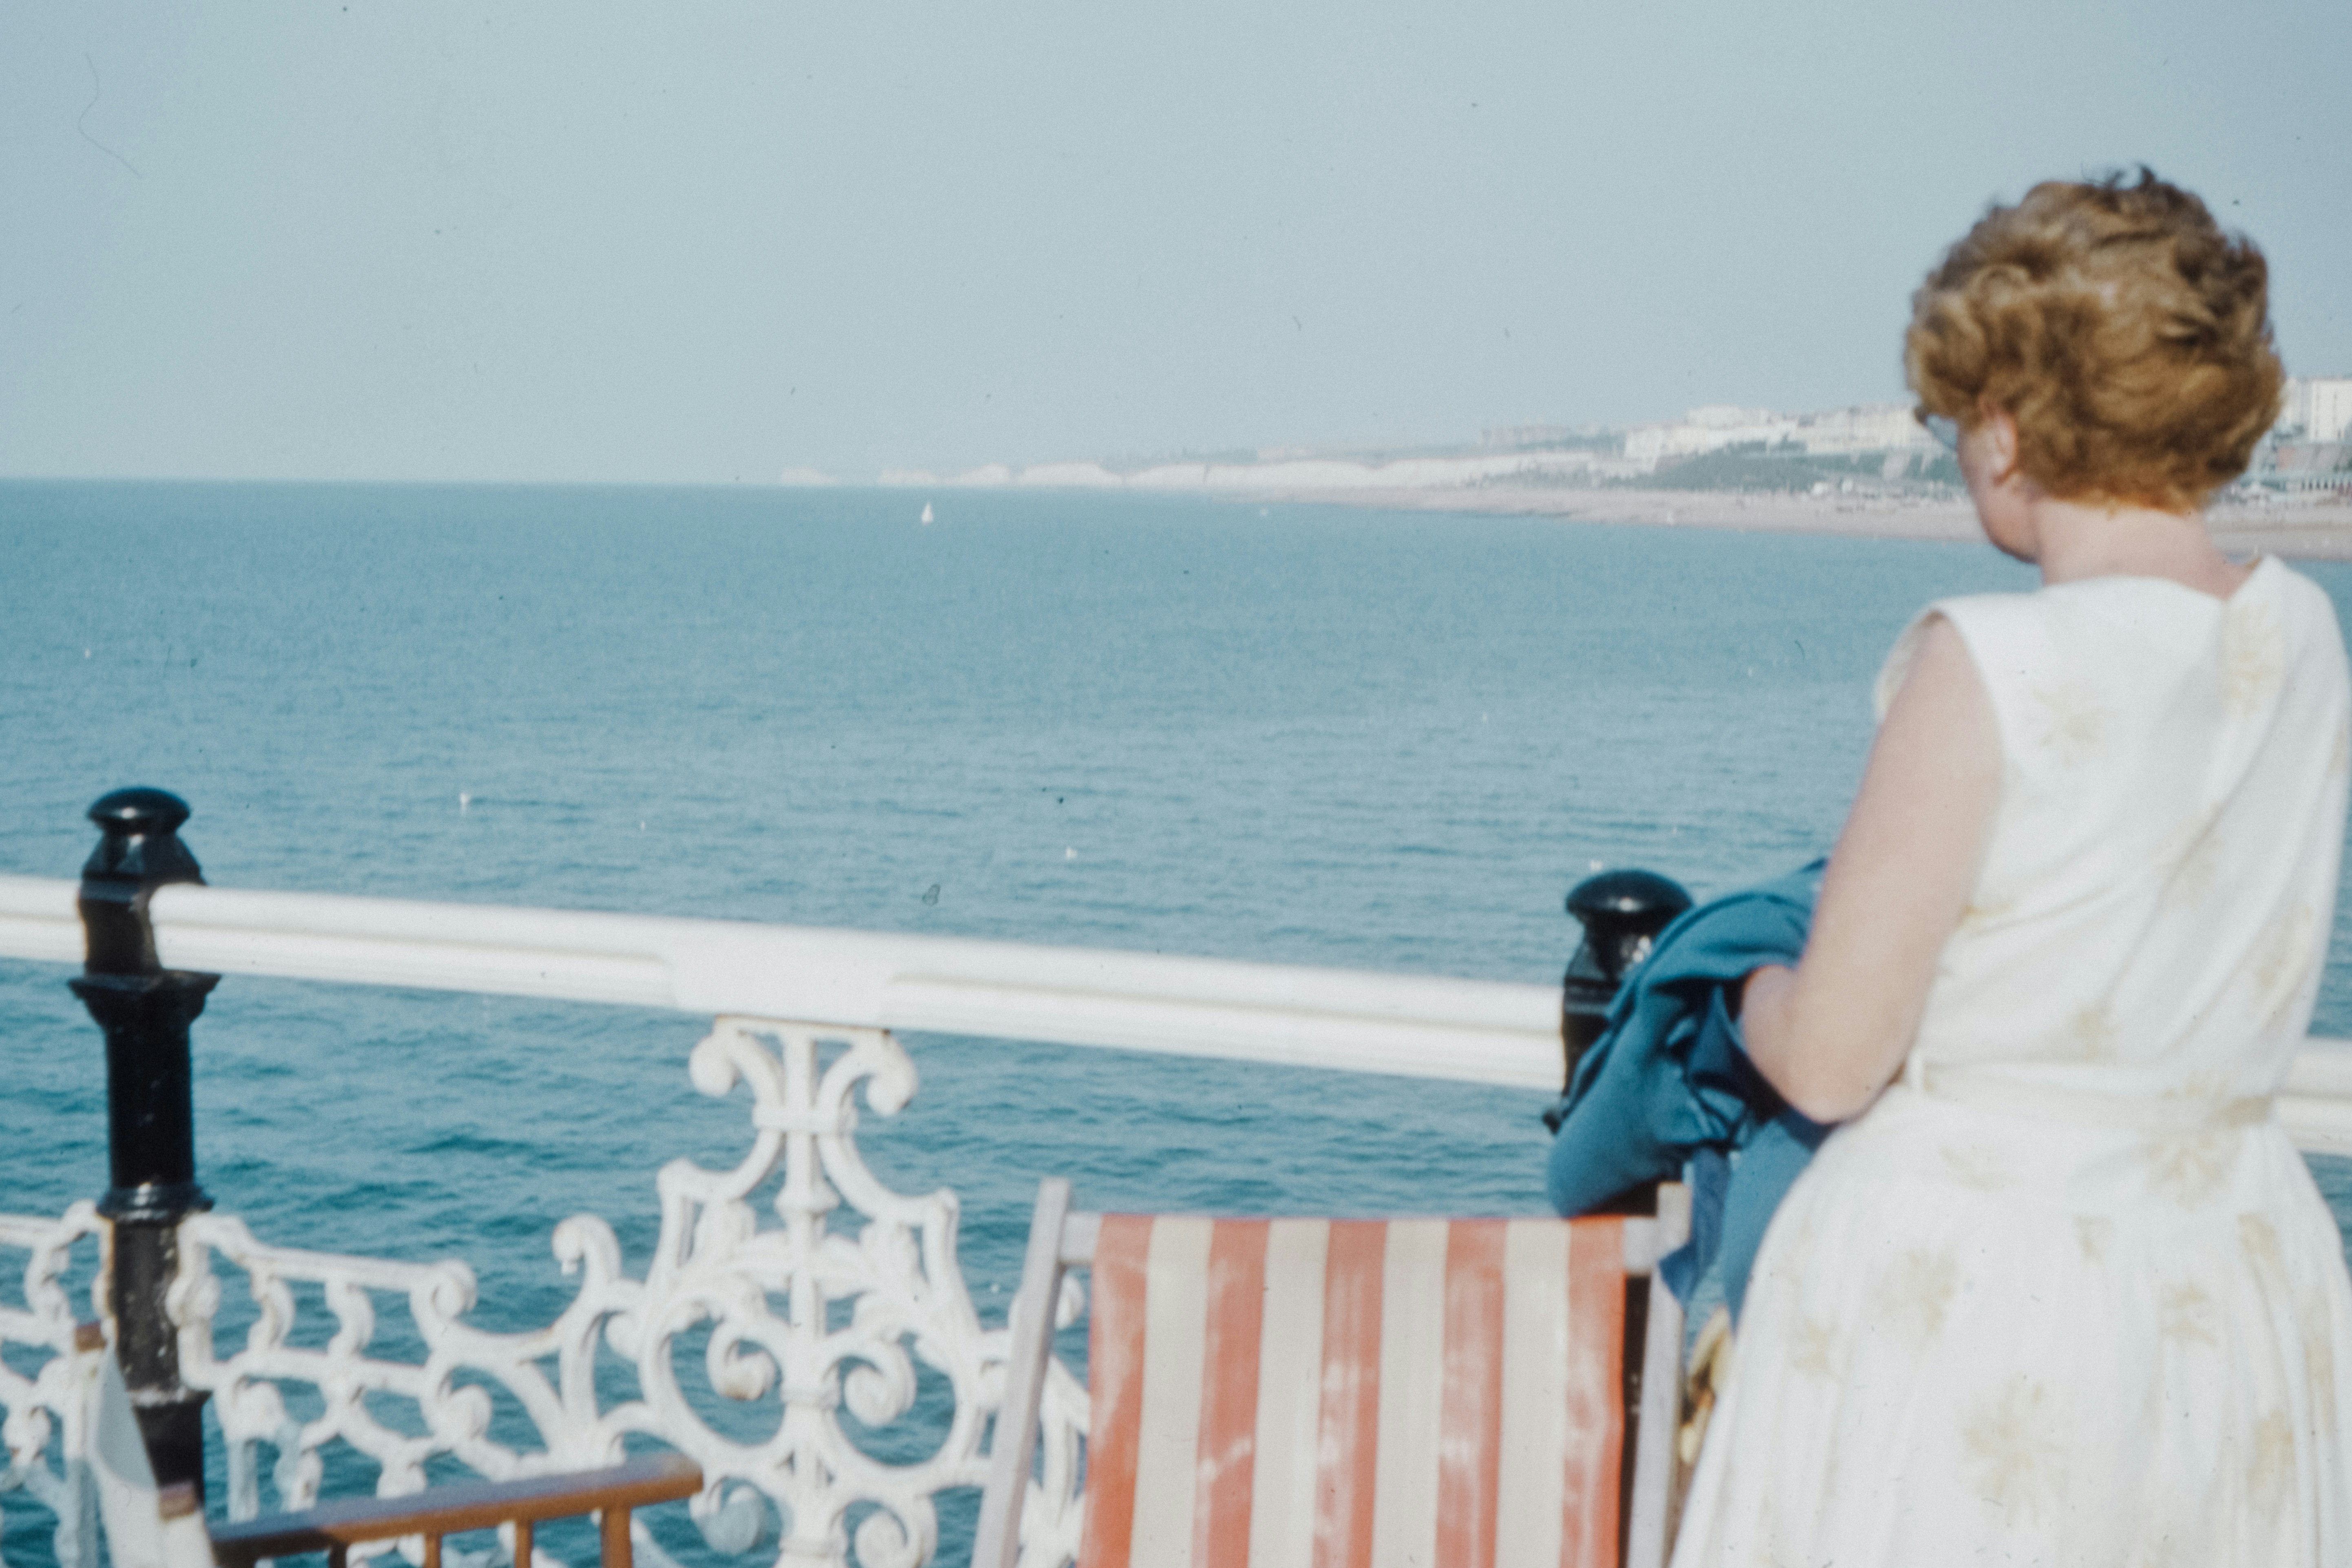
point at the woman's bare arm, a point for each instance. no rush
(1830, 1033)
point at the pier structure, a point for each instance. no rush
(806, 1310)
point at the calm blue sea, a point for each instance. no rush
(1316, 735)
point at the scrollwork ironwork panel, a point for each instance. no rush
(803, 1313)
(45, 1379)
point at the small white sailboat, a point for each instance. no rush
(927, 513)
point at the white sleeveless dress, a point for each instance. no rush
(2066, 1294)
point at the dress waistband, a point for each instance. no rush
(1991, 1090)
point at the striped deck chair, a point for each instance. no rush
(1351, 1393)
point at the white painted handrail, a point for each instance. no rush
(1481, 1031)
(1418, 1026)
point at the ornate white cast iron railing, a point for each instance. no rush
(803, 1313)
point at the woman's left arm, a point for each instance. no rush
(1828, 1034)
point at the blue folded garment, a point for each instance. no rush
(1668, 1086)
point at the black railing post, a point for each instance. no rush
(1621, 914)
(145, 1011)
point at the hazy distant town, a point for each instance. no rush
(1870, 449)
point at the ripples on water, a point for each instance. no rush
(1305, 734)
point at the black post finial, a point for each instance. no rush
(1621, 914)
(139, 851)
(145, 1010)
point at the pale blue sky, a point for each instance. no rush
(704, 242)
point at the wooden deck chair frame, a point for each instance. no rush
(334, 1528)
(1061, 1239)
(150, 1526)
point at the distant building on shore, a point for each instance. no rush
(1865, 427)
(1879, 427)
(2310, 448)
(2317, 408)
(1546, 438)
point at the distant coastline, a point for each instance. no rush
(2310, 529)
(1862, 470)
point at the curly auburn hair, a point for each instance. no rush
(2127, 335)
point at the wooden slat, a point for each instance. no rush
(996, 1540)
(613, 1528)
(1643, 1247)
(468, 1505)
(1650, 1532)
(1079, 1233)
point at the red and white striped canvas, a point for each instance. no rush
(1335, 1394)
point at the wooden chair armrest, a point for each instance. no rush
(465, 1505)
